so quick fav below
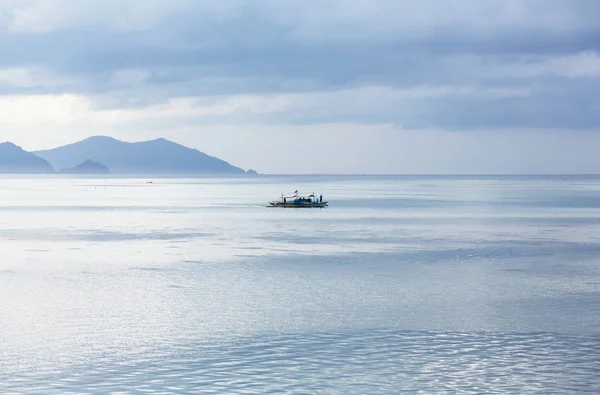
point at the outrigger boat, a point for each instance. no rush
(296, 201)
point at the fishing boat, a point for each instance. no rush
(298, 201)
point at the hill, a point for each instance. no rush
(88, 167)
(158, 156)
(13, 159)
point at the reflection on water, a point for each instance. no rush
(366, 362)
(404, 284)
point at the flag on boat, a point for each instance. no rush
(296, 191)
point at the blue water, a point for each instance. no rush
(403, 285)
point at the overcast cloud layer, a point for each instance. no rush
(431, 86)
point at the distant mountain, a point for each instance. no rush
(13, 159)
(158, 156)
(88, 167)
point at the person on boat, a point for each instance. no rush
(321, 199)
(284, 200)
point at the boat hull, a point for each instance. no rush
(298, 205)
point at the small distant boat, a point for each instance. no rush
(297, 201)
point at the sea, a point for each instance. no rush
(403, 285)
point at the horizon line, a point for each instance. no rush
(217, 175)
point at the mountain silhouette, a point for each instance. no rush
(158, 156)
(13, 159)
(88, 167)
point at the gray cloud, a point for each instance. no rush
(494, 64)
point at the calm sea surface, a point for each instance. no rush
(403, 285)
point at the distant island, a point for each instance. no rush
(87, 167)
(158, 156)
(104, 155)
(15, 160)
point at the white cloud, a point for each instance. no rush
(73, 109)
(24, 77)
(40, 16)
(40, 110)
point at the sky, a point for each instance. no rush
(327, 86)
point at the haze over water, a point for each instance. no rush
(403, 285)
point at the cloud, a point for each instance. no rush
(155, 66)
(579, 65)
(426, 107)
(329, 20)
(42, 16)
(28, 78)
(328, 106)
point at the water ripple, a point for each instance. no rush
(380, 361)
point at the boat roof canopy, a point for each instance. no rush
(299, 196)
